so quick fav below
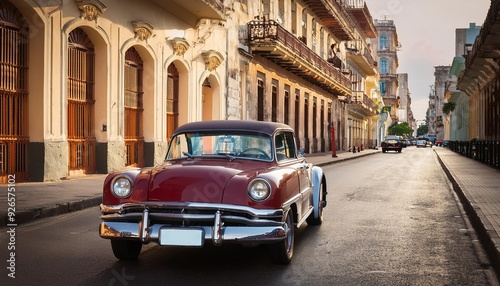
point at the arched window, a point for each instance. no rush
(134, 140)
(172, 100)
(81, 99)
(14, 36)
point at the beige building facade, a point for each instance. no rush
(92, 86)
(95, 86)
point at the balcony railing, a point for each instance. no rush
(361, 54)
(486, 152)
(360, 12)
(360, 102)
(334, 16)
(272, 41)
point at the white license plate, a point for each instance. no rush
(182, 236)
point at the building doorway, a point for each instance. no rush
(81, 99)
(134, 139)
(13, 95)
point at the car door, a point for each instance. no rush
(302, 169)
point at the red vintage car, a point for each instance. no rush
(227, 181)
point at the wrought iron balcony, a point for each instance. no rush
(359, 53)
(362, 104)
(358, 10)
(334, 16)
(273, 42)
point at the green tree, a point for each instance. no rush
(400, 129)
(448, 107)
(422, 129)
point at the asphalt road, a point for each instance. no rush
(391, 219)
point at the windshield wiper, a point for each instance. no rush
(231, 158)
(188, 155)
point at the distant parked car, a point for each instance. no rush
(421, 142)
(223, 181)
(446, 143)
(392, 143)
(439, 141)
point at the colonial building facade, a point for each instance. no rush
(456, 122)
(436, 121)
(387, 54)
(480, 80)
(93, 86)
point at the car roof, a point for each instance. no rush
(233, 125)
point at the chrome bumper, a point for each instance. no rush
(261, 227)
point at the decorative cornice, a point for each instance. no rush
(91, 9)
(143, 30)
(212, 59)
(180, 46)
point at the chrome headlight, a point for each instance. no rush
(259, 190)
(121, 187)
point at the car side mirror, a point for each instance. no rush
(301, 152)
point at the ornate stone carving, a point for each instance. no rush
(143, 30)
(212, 59)
(91, 9)
(180, 46)
(204, 29)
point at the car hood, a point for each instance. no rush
(198, 180)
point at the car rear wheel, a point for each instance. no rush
(126, 249)
(282, 252)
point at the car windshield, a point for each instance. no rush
(392, 138)
(215, 144)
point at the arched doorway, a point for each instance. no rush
(172, 99)
(207, 100)
(13, 94)
(133, 82)
(81, 99)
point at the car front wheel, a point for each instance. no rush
(312, 219)
(282, 252)
(126, 249)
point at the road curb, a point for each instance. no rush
(487, 236)
(29, 215)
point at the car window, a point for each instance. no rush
(209, 144)
(284, 146)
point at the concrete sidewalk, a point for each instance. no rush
(477, 186)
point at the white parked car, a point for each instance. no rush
(421, 143)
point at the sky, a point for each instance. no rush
(426, 31)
